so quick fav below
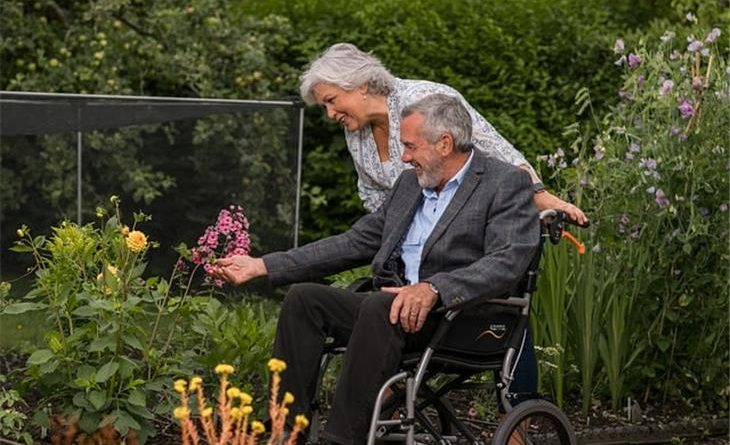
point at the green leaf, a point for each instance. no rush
(40, 356)
(21, 248)
(81, 401)
(101, 343)
(86, 372)
(663, 344)
(140, 411)
(85, 311)
(49, 367)
(41, 418)
(132, 341)
(106, 371)
(124, 422)
(89, 422)
(20, 308)
(97, 399)
(137, 398)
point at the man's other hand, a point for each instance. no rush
(411, 305)
(239, 269)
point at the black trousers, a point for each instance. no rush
(313, 312)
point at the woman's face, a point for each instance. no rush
(345, 107)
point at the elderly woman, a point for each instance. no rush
(358, 92)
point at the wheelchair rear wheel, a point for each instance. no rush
(536, 422)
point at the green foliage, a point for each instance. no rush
(12, 421)
(653, 174)
(110, 354)
(241, 335)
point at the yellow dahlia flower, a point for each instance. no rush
(136, 241)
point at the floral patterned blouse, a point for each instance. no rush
(376, 179)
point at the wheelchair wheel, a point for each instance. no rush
(536, 422)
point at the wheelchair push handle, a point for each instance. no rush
(553, 226)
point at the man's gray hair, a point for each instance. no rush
(443, 114)
(345, 66)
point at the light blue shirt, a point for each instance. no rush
(427, 215)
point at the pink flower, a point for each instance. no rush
(228, 237)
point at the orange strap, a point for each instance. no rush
(578, 245)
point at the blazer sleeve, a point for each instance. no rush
(353, 248)
(511, 236)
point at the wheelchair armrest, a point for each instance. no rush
(503, 301)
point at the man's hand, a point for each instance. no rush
(239, 269)
(411, 305)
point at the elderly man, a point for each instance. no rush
(456, 227)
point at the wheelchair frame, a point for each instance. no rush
(416, 372)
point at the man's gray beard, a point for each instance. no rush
(426, 181)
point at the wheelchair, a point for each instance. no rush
(413, 406)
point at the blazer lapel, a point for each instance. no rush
(471, 180)
(401, 211)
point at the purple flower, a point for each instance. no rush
(648, 163)
(674, 131)
(661, 199)
(686, 109)
(697, 82)
(705, 52)
(584, 180)
(634, 147)
(618, 46)
(694, 45)
(723, 207)
(629, 156)
(713, 35)
(635, 232)
(634, 61)
(625, 219)
(666, 88)
(599, 151)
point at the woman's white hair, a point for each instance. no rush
(345, 66)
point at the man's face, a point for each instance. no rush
(420, 153)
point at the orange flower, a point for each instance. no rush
(136, 241)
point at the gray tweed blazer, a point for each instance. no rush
(480, 248)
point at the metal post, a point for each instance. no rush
(299, 175)
(78, 177)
